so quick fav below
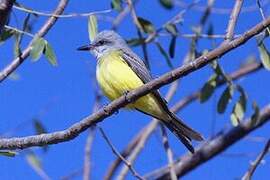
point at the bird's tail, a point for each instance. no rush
(182, 131)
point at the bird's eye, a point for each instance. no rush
(101, 42)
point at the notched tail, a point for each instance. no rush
(184, 133)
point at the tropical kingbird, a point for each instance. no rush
(119, 70)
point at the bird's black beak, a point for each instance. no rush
(86, 47)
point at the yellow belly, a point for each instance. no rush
(116, 78)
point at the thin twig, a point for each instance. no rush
(134, 16)
(168, 152)
(77, 128)
(262, 13)
(71, 15)
(19, 31)
(87, 154)
(89, 141)
(215, 10)
(118, 19)
(114, 150)
(233, 19)
(112, 169)
(255, 164)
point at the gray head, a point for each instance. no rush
(104, 42)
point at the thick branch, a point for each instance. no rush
(42, 32)
(5, 9)
(76, 129)
(212, 147)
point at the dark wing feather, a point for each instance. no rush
(138, 66)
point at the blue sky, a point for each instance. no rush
(61, 96)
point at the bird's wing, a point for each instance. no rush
(139, 67)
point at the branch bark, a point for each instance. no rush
(212, 147)
(5, 9)
(233, 19)
(77, 128)
(42, 32)
(255, 164)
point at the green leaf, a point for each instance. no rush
(243, 97)
(117, 5)
(172, 46)
(168, 4)
(6, 34)
(39, 128)
(264, 55)
(14, 76)
(92, 27)
(208, 88)
(33, 160)
(255, 115)
(135, 42)
(8, 153)
(17, 49)
(234, 119)
(225, 99)
(163, 52)
(210, 30)
(50, 55)
(37, 48)
(146, 25)
(172, 29)
(239, 108)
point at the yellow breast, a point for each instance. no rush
(115, 78)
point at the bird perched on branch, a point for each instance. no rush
(119, 70)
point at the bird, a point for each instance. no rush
(119, 70)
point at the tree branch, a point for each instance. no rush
(42, 32)
(127, 163)
(212, 147)
(258, 160)
(77, 128)
(5, 9)
(233, 19)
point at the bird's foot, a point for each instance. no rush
(125, 94)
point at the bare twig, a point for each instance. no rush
(233, 19)
(118, 19)
(168, 152)
(212, 147)
(256, 163)
(134, 16)
(76, 129)
(87, 154)
(114, 150)
(71, 15)
(42, 32)
(262, 13)
(5, 8)
(215, 10)
(19, 31)
(112, 169)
